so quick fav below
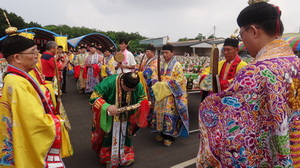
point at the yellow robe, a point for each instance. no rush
(220, 65)
(27, 132)
(48, 85)
(165, 117)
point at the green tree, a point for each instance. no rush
(15, 21)
(211, 36)
(72, 32)
(200, 37)
(33, 24)
(183, 39)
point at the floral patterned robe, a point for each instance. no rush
(170, 115)
(248, 125)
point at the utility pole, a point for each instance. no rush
(214, 33)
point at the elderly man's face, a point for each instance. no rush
(246, 34)
(230, 52)
(27, 59)
(167, 55)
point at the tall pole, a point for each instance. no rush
(214, 33)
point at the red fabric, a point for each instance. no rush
(85, 72)
(97, 133)
(56, 144)
(47, 61)
(140, 117)
(59, 65)
(105, 154)
(224, 84)
(76, 71)
(202, 77)
(38, 76)
(96, 70)
(48, 67)
(231, 72)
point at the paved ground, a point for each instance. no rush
(148, 152)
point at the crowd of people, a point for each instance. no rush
(252, 120)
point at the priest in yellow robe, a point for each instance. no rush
(30, 131)
(230, 66)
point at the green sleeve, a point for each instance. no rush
(106, 89)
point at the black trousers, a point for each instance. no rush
(204, 95)
(64, 84)
(49, 79)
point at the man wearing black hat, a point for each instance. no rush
(170, 116)
(3, 65)
(254, 123)
(92, 63)
(79, 65)
(115, 117)
(228, 67)
(30, 131)
(108, 67)
(147, 67)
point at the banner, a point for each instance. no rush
(62, 40)
(29, 35)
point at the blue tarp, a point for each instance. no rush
(96, 38)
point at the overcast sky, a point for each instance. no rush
(151, 18)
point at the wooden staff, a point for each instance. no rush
(158, 67)
(6, 19)
(58, 85)
(215, 76)
(59, 108)
(140, 68)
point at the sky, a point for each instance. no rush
(150, 18)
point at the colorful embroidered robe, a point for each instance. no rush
(170, 115)
(30, 132)
(107, 93)
(92, 71)
(148, 67)
(79, 63)
(248, 125)
(108, 67)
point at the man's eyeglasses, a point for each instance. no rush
(240, 36)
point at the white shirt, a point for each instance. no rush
(130, 61)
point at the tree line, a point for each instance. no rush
(71, 32)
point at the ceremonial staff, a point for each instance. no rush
(6, 19)
(140, 68)
(214, 65)
(59, 107)
(158, 67)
